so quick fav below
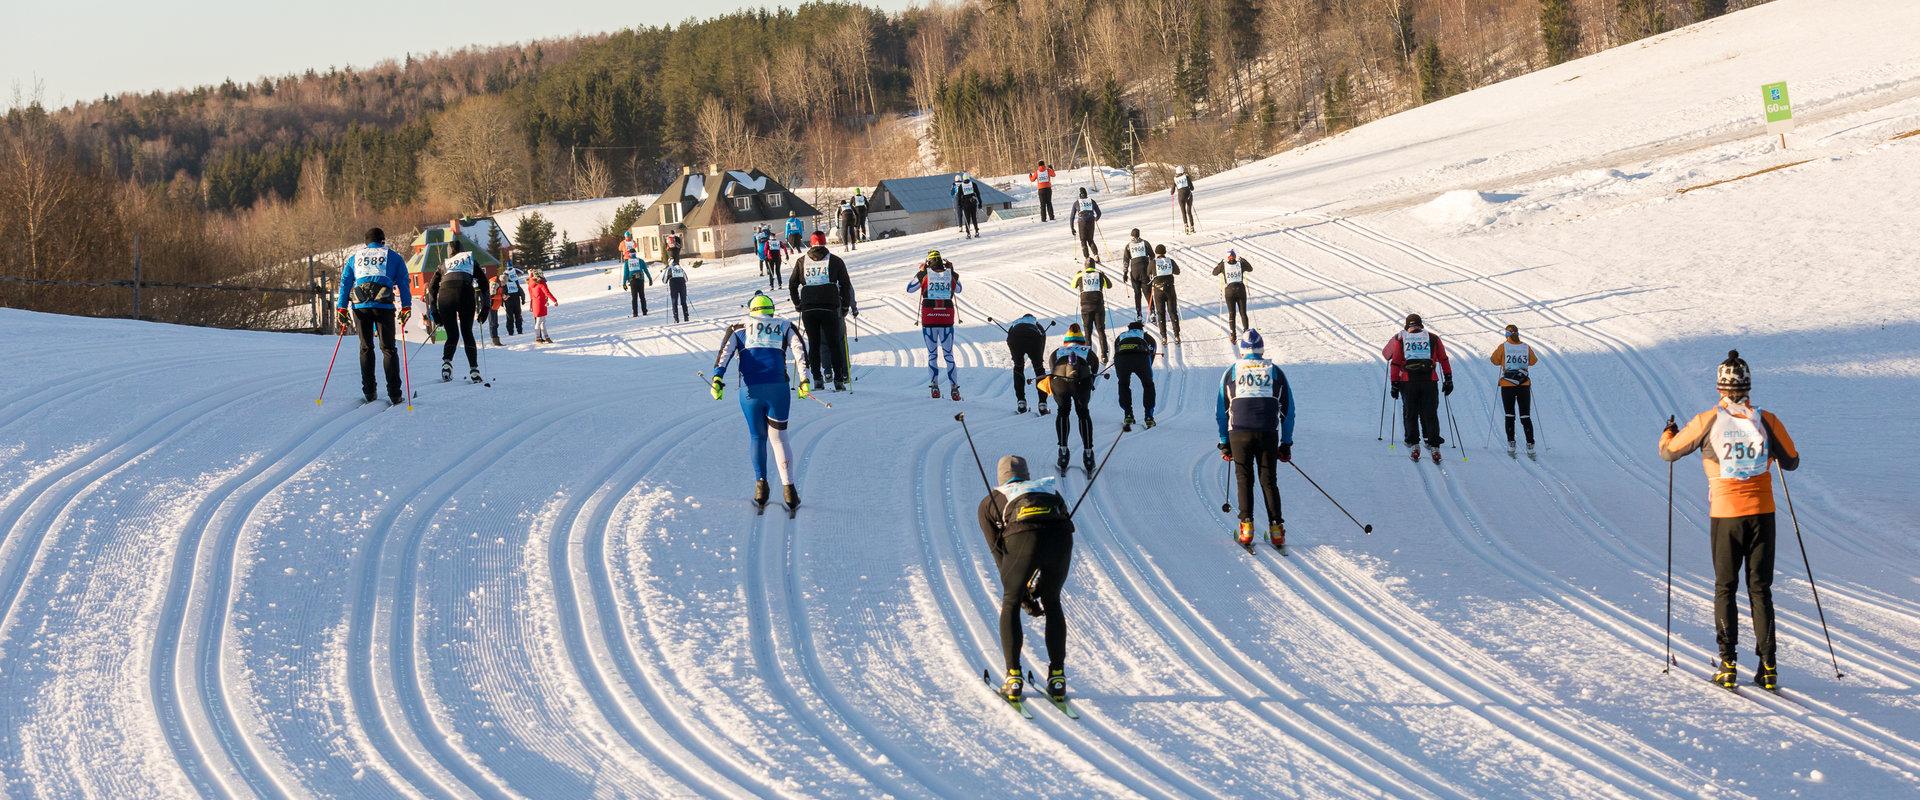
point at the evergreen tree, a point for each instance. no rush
(569, 252)
(534, 235)
(1641, 18)
(1708, 9)
(623, 218)
(1559, 30)
(1433, 73)
(1337, 103)
(1108, 122)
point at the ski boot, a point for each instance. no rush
(1011, 689)
(1530, 453)
(446, 371)
(1086, 459)
(793, 499)
(953, 390)
(760, 493)
(1128, 422)
(496, 342)
(1062, 462)
(1767, 676)
(1513, 450)
(1729, 675)
(1435, 453)
(1150, 422)
(1057, 685)
(1416, 452)
(1020, 407)
(1245, 535)
(935, 389)
(839, 385)
(1277, 535)
(473, 374)
(1043, 406)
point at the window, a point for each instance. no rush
(776, 200)
(743, 203)
(670, 214)
(706, 237)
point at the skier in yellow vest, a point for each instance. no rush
(1514, 358)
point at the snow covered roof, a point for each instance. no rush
(705, 200)
(929, 193)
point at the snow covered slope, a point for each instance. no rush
(554, 587)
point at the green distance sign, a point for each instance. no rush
(1778, 106)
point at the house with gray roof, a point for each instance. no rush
(904, 206)
(716, 213)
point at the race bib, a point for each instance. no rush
(1183, 182)
(1417, 346)
(461, 263)
(815, 273)
(1234, 273)
(1163, 267)
(1089, 283)
(939, 285)
(677, 271)
(1740, 445)
(1138, 249)
(766, 333)
(370, 263)
(1516, 358)
(1253, 379)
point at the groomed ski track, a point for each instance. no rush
(555, 587)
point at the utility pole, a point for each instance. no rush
(136, 275)
(1087, 136)
(1133, 158)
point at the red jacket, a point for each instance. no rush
(1042, 177)
(541, 296)
(1396, 356)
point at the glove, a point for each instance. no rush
(1672, 429)
(1446, 386)
(344, 318)
(1226, 453)
(718, 389)
(407, 313)
(1286, 453)
(806, 389)
(1394, 390)
(480, 314)
(856, 311)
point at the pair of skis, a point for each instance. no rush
(1065, 706)
(760, 508)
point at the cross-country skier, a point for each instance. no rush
(1072, 369)
(1738, 444)
(762, 342)
(860, 212)
(1139, 273)
(1091, 284)
(966, 203)
(1183, 192)
(796, 232)
(496, 298)
(937, 283)
(1083, 220)
(1412, 356)
(1255, 414)
(541, 297)
(1042, 177)
(1515, 358)
(1030, 533)
(677, 292)
(1233, 281)
(1166, 302)
(514, 284)
(1027, 342)
(673, 241)
(1133, 352)
(457, 295)
(368, 282)
(635, 276)
(762, 239)
(822, 291)
(849, 225)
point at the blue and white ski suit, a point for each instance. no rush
(762, 343)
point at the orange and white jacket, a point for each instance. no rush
(1499, 359)
(1042, 177)
(1732, 497)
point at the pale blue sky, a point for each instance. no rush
(81, 49)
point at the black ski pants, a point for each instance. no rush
(372, 323)
(1256, 450)
(1743, 542)
(1186, 207)
(1073, 401)
(1237, 304)
(515, 323)
(638, 289)
(1420, 410)
(1141, 277)
(1088, 248)
(1030, 350)
(824, 329)
(453, 307)
(677, 298)
(1166, 306)
(1050, 554)
(1046, 203)
(1128, 366)
(969, 214)
(1093, 316)
(1521, 398)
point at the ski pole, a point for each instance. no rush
(1096, 472)
(1383, 413)
(1226, 492)
(1002, 328)
(1364, 528)
(962, 419)
(1393, 422)
(1457, 445)
(1668, 666)
(1810, 584)
(336, 354)
(406, 366)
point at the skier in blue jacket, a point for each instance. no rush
(1255, 413)
(762, 341)
(635, 277)
(796, 233)
(369, 280)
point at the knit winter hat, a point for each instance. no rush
(1734, 374)
(1252, 343)
(1012, 468)
(1073, 335)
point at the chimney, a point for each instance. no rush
(713, 169)
(686, 170)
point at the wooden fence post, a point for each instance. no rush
(313, 301)
(136, 275)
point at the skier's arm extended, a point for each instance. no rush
(1675, 446)
(796, 343)
(914, 285)
(397, 275)
(346, 283)
(838, 271)
(1286, 408)
(1779, 444)
(1226, 398)
(730, 343)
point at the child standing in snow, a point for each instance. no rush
(541, 297)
